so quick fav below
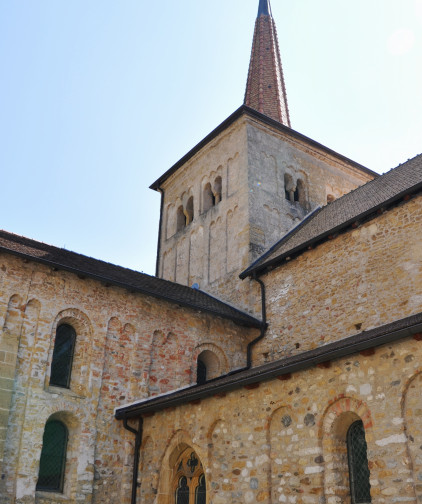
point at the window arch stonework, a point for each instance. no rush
(338, 419)
(182, 459)
(79, 382)
(189, 479)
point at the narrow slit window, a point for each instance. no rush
(53, 457)
(61, 364)
(360, 487)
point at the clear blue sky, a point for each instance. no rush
(99, 97)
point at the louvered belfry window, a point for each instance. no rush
(53, 457)
(61, 365)
(360, 487)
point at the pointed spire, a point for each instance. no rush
(264, 8)
(265, 89)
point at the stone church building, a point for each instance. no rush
(275, 357)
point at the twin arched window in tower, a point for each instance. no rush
(295, 191)
(211, 196)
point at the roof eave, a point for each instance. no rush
(261, 269)
(244, 320)
(245, 110)
(343, 348)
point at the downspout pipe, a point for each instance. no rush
(138, 442)
(264, 324)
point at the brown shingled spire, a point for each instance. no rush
(265, 89)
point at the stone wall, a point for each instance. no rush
(128, 347)
(364, 278)
(285, 441)
(249, 186)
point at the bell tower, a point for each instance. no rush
(246, 184)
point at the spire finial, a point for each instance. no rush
(265, 89)
(264, 8)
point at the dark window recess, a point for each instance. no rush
(201, 491)
(53, 457)
(182, 492)
(360, 488)
(61, 365)
(201, 372)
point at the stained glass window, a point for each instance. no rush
(189, 480)
(182, 493)
(360, 487)
(61, 365)
(53, 457)
(201, 492)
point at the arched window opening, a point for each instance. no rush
(300, 194)
(180, 219)
(182, 492)
(53, 457)
(201, 372)
(218, 184)
(289, 189)
(61, 364)
(208, 200)
(208, 366)
(189, 210)
(189, 479)
(360, 487)
(201, 491)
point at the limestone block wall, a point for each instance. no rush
(364, 278)
(236, 197)
(285, 441)
(288, 178)
(128, 346)
(212, 248)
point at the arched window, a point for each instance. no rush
(300, 194)
(208, 367)
(53, 457)
(208, 200)
(217, 190)
(288, 187)
(201, 372)
(189, 210)
(201, 491)
(189, 479)
(180, 219)
(360, 487)
(61, 364)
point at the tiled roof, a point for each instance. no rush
(111, 274)
(353, 207)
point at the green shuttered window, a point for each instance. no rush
(53, 457)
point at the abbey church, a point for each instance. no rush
(276, 356)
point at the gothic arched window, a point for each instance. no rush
(360, 487)
(53, 457)
(189, 479)
(61, 364)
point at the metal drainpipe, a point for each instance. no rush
(157, 263)
(138, 442)
(264, 322)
